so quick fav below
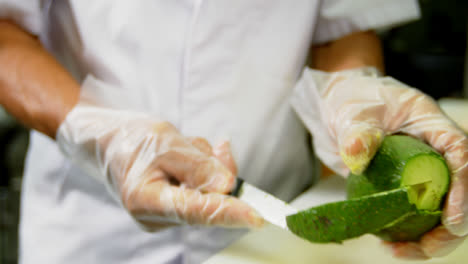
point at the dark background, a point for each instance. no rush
(428, 54)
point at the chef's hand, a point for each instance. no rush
(161, 177)
(352, 112)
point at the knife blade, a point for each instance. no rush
(269, 207)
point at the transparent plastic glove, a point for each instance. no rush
(350, 112)
(161, 177)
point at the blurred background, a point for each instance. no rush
(13, 145)
(429, 54)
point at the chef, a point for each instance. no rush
(144, 112)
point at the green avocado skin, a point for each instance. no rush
(335, 222)
(410, 228)
(394, 153)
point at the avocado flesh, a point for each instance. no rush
(425, 178)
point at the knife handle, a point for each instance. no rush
(235, 191)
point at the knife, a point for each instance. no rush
(269, 207)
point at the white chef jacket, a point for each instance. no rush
(219, 69)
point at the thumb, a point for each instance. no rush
(358, 146)
(224, 154)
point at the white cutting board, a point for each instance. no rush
(457, 109)
(273, 245)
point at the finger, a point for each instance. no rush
(224, 154)
(202, 144)
(430, 124)
(197, 170)
(221, 151)
(454, 215)
(357, 124)
(160, 201)
(359, 145)
(405, 250)
(440, 242)
(191, 162)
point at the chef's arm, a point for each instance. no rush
(352, 51)
(34, 87)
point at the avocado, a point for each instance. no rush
(398, 197)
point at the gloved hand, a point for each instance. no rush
(350, 112)
(161, 177)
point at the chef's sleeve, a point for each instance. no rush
(337, 18)
(25, 13)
